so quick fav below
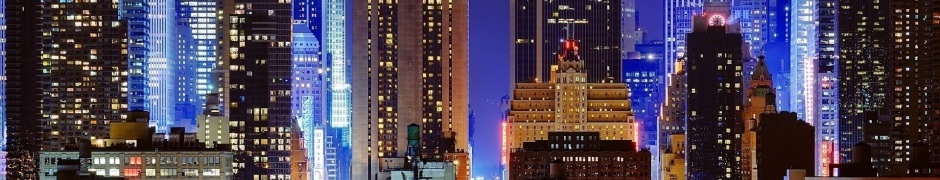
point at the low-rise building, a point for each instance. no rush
(586, 156)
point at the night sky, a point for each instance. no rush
(489, 70)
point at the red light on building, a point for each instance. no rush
(505, 156)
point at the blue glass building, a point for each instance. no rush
(643, 73)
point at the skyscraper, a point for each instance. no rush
(642, 75)
(862, 46)
(307, 89)
(629, 23)
(258, 48)
(909, 50)
(85, 70)
(23, 87)
(715, 95)
(539, 27)
(678, 24)
(201, 21)
(410, 68)
(570, 104)
(760, 99)
(933, 76)
(817, 67)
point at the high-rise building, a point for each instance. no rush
(200, 20)
(410, 68)
(863, 41)
(334, 52)
(642, 76)
(629, 26)
(138, 41)
(932, 76)
(3, 88)
(754, 18)
(814, 62)
(569, 104)
(23, 83)
(802, 59)
(760, 99)
(910, 77)
(258, 50)
(678, 24)
(715, 98)
(85, 70)
(539, 27)
(307, 89)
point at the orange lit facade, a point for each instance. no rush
(568, 104)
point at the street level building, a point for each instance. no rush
(585, 155)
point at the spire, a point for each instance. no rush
(760, 72)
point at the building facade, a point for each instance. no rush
(678, 24)
(538, 27)
(863, 50)
(23, 83)
(715, 95)
(84, 74)
(569, 104)
(258, 86)
(760, 100)
(642, 75)
(585, 154)
(410, 68)
(164, 164)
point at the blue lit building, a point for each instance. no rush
(335, 54)
(187, 107)
(3, 88)
(328, 106)
(678, 23)
(307, 93)
(200, 17)
(643, 74)
(138, 28)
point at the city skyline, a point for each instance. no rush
(456, 89)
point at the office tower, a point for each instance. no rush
(200, 20)
(673, 114)
(23, 87)
(760, 99)
(931, 78)
(586, 155)
(753, 16)
(340, 107)
(642, 76)
(783, 142)
(161, 65)
(569, 104)
(802, 60)
(136, 12)
(863, 54)
(258, 48)
(911, 77)
(3, 88)
(777, 49)
(678, 24)
(410, 68)
(629, 26)
(537, 28)
(84, 71)
(307, 89)
(818, 76)
(715, 95)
